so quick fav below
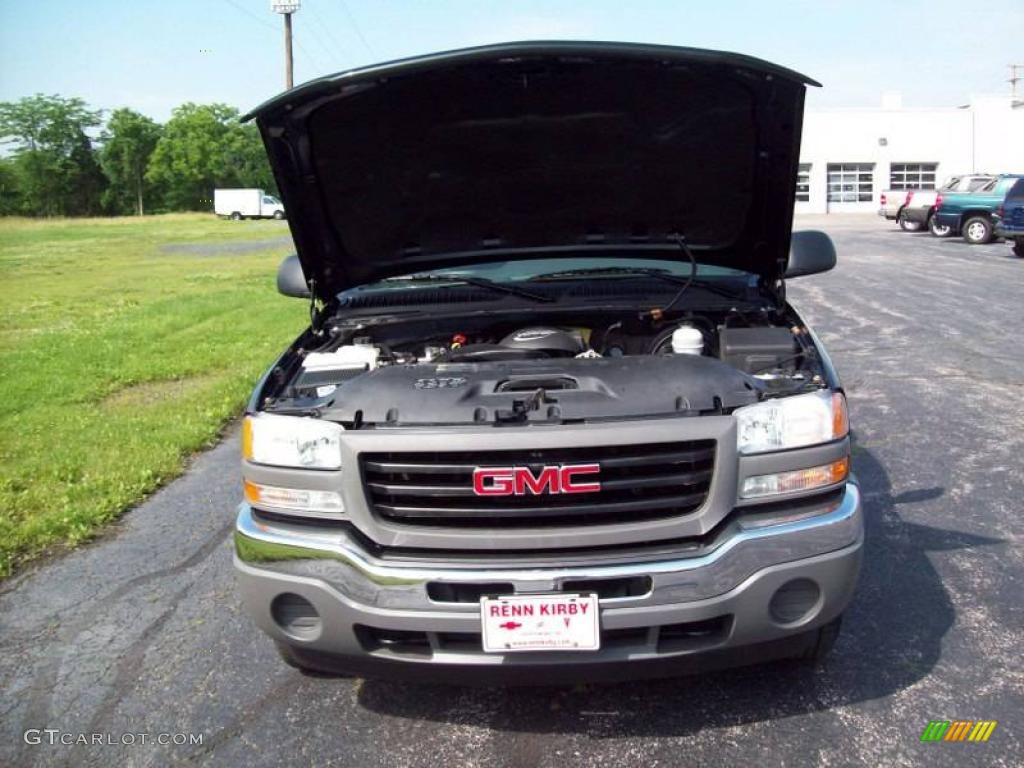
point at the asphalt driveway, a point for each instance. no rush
(142, 633)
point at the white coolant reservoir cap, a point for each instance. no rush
(687, 340)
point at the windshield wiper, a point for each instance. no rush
(479, 282)
(660, 274)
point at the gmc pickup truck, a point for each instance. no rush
(554, 418)
(972, 213)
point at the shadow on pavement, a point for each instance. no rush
(892, 637)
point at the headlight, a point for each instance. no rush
(791, 422)
(291, 441)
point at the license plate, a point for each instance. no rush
(540, 623)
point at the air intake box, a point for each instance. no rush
(754, 350)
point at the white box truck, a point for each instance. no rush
(246, 204)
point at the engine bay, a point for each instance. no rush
(549, 369)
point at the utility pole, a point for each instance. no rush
(286, 8)
(1015, 78)
(289, 80)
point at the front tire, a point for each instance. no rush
(1018, 247)
(907, 225)
(977, 230)
(278, 215)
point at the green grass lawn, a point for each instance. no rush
(123, 349)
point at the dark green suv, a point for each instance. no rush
(972, 214)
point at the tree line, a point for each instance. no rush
(62, 158)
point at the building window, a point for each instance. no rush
(912, 175)
(850, 182)
(803, 183)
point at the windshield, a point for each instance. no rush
(557, 268)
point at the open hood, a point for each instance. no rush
(535, 149)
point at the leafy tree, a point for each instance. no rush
(248, 159)
(128, 143)
(204, 147)
(10, 188)
(86, 181)
(53, 155)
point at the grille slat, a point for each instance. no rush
(638, 482)
(653, 640)
(557, 457)
(545, 510)
(679, 479)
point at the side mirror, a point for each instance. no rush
(810, 252)
(290, 279)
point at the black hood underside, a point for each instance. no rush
(530, 149)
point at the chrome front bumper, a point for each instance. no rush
(733, 575)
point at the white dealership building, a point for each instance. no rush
(849, 156)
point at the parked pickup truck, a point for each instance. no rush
(1009, 217)
(972, 213)
(554, 417)
(919, 204)
(890, 203)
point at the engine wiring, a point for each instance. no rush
(659, 312)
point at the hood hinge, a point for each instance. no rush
(775, 290)
(316, 314)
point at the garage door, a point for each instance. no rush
(850, 186)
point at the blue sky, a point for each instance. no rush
(151, 54)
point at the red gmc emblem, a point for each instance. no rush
(518, 481)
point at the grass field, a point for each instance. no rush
(125, 346)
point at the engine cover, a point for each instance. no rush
(568, 343)
(541, 391)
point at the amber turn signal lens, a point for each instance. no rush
(247, 438)
(252, 492)
(798, 480)
(293, 499)
(840, 417)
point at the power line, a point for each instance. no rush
(355, 26)
(327, 46)
(315, 62)
(251, 15)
